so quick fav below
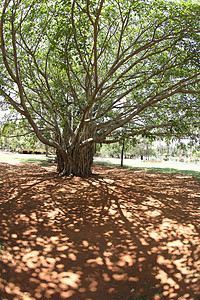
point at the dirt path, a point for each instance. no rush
(122, 234)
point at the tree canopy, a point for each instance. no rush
(86, 72)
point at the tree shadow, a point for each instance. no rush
(122, 234)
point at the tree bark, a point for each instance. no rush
(122, 154)
(77, 162)
(60, 162)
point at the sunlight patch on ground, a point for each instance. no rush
(72, 238)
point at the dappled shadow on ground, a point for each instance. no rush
(122, 234)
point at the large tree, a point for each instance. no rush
(88, 71)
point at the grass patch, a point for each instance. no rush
(23, 158)
(191, 173)
(194, 174)
(31, 160)
(106, 163)
(2, 245)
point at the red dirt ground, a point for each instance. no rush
(122, 234)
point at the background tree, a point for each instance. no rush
(129, 148)
(86, 72)
(14, 133)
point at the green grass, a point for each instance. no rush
(106, 163)
(194, 174)
(13, 158)
(159, 170)
(2, 245)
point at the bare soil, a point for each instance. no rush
(121, 234)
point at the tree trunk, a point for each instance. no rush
(78, 162)
(122, 153)
(60, 162)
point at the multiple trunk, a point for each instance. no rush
(76, 162)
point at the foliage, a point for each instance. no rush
(86, 72)
(13, 134)
(132, 148)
